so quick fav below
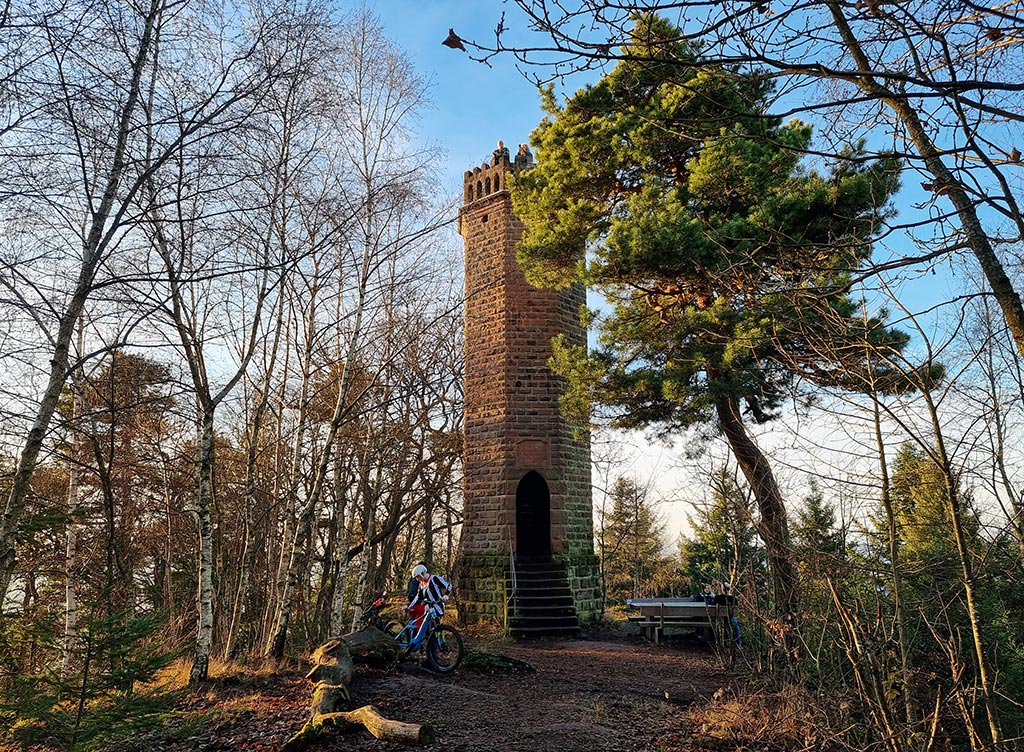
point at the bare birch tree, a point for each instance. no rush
(215, 230)
(98, 73)
(69, 49)
(377, 96)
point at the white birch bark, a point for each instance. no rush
(204, 524)
(340, 558)
(99, 238)
(71, 525)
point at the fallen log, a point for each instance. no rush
(367, 717)
(332, 673)
(371, 646)
(385, 728)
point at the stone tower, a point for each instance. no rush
(528, 511)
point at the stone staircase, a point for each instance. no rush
(542, 604)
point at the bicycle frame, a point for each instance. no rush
(414, 636)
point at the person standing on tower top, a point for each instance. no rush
(500, 153)
(524, 157)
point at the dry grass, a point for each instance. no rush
(175, 676)
(778, 720)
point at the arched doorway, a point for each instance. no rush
(533, 517)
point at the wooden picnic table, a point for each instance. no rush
(657, 614)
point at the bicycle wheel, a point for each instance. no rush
(444, 649)
(392, 628)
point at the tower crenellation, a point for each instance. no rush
(491, 176)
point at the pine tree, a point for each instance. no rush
(922, 509)
(929, 560)
(724, 544)
(632, 544)
(101, 700)
(727, 263)
(818, 543)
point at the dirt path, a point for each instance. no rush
(583, 695)
(611, 692)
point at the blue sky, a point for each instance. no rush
(473, 105)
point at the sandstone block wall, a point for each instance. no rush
(512, 419)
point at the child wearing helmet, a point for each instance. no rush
(411, 588)
(431, 592)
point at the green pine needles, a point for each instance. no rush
(99, 698)
(726, 261)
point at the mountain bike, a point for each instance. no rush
(442, 642)
(372, 617)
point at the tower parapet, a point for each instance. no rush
(492, 176)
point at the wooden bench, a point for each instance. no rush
(658, 614)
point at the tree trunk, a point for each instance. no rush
(251, 459)
(870, 677)
(967, 571)
(906, 673)
(339, 560)
(369, 561)
(371, 646)
(242, 589)
(275, 646)
(428, 530)
(204, 492)
(292, 545)
(70, 553)
(332, 671)
(773, 525)
(71, 526)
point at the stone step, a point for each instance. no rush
(555, 583)
(550, 580)
(541, 588)
(543, 603)
(538, 566)
(527, 599)
(543, 615)
(562, 620)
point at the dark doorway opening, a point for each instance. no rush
(533, 517)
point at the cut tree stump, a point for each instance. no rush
(332, 673)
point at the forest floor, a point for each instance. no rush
(606, 691)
